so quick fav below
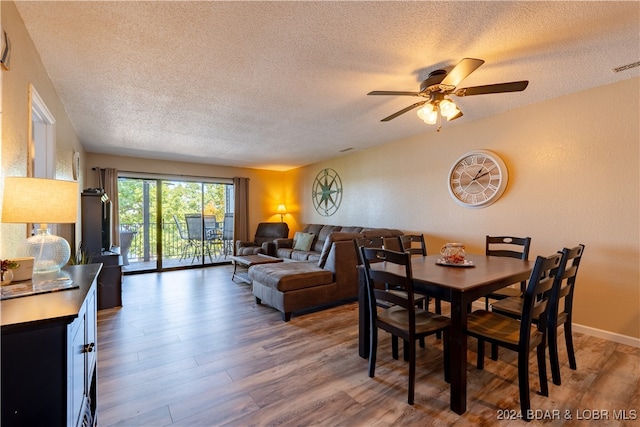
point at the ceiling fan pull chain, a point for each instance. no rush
(439, 119)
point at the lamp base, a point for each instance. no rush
(50, 252)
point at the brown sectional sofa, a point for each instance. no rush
(314, 278)
(284, 247)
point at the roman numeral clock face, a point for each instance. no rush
(478, 179)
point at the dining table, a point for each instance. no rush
(460, 285)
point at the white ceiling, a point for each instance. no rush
(277, 85)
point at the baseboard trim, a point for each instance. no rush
(587, 330)
(610, 336)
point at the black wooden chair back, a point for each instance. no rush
(511, 247)
(413, 243)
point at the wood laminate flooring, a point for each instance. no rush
(191, 348)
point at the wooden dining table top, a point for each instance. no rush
(485, 270)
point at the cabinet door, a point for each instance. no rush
(77, 370)
(92, 334)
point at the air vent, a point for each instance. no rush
(627, 67)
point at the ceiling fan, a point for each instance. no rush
(438, 87)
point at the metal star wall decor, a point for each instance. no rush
(327, 192)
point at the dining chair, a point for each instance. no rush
(415, 245)
(512, 247)
(520, 335)
(420, 300)
(559, 313)
(403, 319)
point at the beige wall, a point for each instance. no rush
(26, 68)
(573, 178)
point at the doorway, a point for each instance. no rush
(169, 224)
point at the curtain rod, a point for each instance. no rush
(168, 176)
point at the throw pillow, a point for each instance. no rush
(303, 241)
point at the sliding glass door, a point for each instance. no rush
(182, 225)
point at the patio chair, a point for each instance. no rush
(195, 232)
(213, 234)
(227, 234)
(126, 238)
(184, 237)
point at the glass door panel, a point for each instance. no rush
(137, 200)
(181, 213)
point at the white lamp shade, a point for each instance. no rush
(39, 200)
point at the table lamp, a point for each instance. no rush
(41, 201)
(282, 210)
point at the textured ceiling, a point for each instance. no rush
(277, 85)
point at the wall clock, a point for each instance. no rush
(327, 192)
(478, 179)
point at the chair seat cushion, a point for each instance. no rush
(289, 276)
(498, 327)
(426, 322)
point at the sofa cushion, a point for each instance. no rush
(284, 253)
(322, 236)
(334, 237)
(303, 241)
(300, 255)
(351, 229)
(289, 276)
(315, 229)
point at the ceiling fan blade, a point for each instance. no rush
(404, 110)
(396, 93)
(461, 71)
(494, 88)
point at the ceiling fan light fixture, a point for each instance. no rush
(448, 109)
(428, 113)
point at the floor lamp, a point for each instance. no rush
(41, 201)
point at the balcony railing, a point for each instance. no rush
(144, 246)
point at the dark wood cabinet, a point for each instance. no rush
(49, 354)
(110, 279)
(94, 245)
